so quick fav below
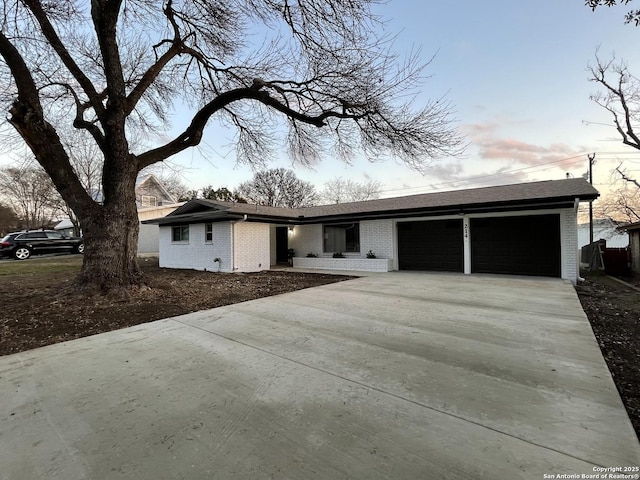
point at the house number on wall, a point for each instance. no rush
(466, 230)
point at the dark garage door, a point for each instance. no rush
(432, 245)
(516, 245)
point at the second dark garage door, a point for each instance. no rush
(516, 245)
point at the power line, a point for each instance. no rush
(602, 156)
(488, 176)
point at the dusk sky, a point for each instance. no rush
(516, 75)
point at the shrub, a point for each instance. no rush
(338, 255)
(370, 254)
(311, 255)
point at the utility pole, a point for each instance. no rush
(592, 160)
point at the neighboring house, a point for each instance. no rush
(633, 231)
(152, 201)
(151, 193)
(603, 229)
(149, 235)
(523, 229)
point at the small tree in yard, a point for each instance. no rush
(115, 71)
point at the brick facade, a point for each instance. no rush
(196, 253)
(249, 246)
(569, 245)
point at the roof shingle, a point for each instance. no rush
(522, 194)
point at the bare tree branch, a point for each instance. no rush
(320, 74)
(57, 44)
(621, 99)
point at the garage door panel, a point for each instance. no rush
(435, 245)
(528, 245)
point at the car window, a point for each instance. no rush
(32, 235)
(7, 238)
(56, 235)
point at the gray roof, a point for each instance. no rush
(546, 194)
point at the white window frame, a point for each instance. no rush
(149, 201)
(208, 233)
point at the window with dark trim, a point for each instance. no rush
(208, 232)
(180, 234)
(342, 238)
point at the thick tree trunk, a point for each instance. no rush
(110, 230)
(111, 246)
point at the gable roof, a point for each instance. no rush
(546, 194)
(151, 178)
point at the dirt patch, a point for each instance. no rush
(38, 310)
(613, 310)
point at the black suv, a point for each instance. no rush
(21, 245)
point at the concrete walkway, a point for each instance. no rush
(394, 376)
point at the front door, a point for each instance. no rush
(282, 245)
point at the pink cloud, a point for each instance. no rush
(492, 147)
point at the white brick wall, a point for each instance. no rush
(252, 250)
(250, 241)
(355, 264)
(569, 245)
(377, 236)
(148, 238)
(306, 239)
(272, 245)
(196, 253)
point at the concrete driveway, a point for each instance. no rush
(393, 376)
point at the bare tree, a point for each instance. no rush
(626, 198)
(118, 70)
(621, 203)
(340, 190)
(86, 160)
(174, 185)
(30, 194)
(278, 187)
(8, 220)
(621, 98)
